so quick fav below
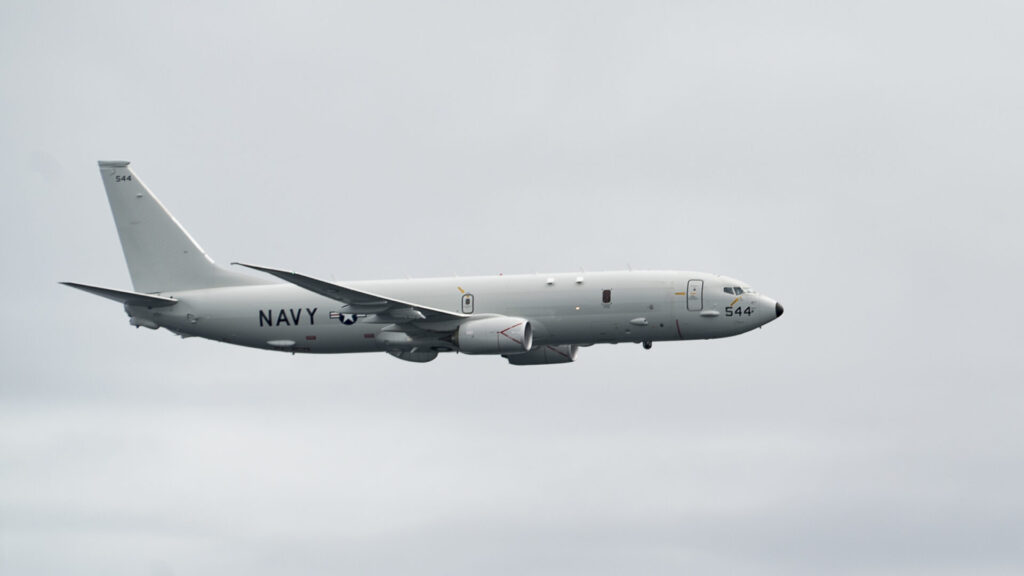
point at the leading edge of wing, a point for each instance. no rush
(357, 301)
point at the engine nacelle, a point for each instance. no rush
(411, 356)
(497, 335)
(545, 355)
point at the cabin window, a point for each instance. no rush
(728, 290)
(606, 297)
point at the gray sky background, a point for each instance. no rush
(859, 161)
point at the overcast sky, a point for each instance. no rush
(858, 161)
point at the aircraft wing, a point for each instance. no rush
(381, 309)
(124, 297)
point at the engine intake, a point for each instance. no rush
(496, 335)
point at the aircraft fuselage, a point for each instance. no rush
(582, 309)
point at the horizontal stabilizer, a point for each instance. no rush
(130, 298)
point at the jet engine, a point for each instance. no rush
(545, 355)
(495, 335)
(414, 356)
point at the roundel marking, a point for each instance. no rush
(346, 319)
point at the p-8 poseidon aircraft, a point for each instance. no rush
(527, 319)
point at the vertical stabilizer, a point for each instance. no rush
(161, 255)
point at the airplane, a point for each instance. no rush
(529, 319)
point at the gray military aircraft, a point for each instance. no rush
(528, 319)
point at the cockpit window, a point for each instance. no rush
(728, 290)
(738, 290)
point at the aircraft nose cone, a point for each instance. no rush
(778, 310)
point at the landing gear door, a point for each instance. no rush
(695, 295)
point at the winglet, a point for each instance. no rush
(272, 271)
(312, 284)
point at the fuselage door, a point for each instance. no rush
(695, 295)
(467, 303)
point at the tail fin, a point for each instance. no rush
(161, 255)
